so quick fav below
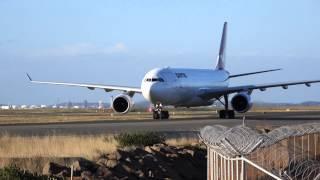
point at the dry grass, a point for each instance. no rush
(55, 146)
(182, 141)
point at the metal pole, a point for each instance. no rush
(237, 169)
(242, 169)
(208, 162)
(228, 168)
(225, 167)
(260, 168)
(221, 167)
(212, 166)
(315, 145)
(215, 175)
(232, 170)
(71, 172)
(308, 147)
(294, 148)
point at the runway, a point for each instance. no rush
(171, 126)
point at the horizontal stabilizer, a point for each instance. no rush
(251, 73)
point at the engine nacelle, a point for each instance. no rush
(122, 104)
(241, 102)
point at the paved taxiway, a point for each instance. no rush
(172, 126)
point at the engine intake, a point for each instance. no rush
(241, 102)
(122, 104)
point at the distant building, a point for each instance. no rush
(24, 107)
(43, 106)
(101, 106)
(34, 107)
(5, 107)
(76, 107)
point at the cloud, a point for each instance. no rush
(83, 49)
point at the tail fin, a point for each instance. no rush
(222, 55)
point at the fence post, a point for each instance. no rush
(71, 176)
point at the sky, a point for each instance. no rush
(117, 41)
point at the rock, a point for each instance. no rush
(128, 159)
(111, 163)
(157, 147)
(114, 156)
(86, 175)
(140, 174)
(148, 149)
(54, 169)
(172, 155)
(150, 174)
(84, 165)
(63, 174)
(127, 168)
(103, 172)
(102, 162)
(189, 151)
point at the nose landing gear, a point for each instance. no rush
(159, 113)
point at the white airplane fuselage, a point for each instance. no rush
(180, 87)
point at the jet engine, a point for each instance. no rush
(241, 102)
(122, 103)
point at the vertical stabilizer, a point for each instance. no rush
(222, 55)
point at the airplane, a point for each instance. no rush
(180, 87)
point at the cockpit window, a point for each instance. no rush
(154, 80)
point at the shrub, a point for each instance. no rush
(14, 173)
(139, 139)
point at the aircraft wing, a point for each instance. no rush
(216, 93)
(107, 88)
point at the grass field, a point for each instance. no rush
(83, 115)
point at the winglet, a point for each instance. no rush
(29, 77)
(221, 57)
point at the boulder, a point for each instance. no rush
(148, 149)
(84, 165)
(189, 151)
(111, 163)
(102, 162)
(114, 156)
(86, 175)
(53, 169)
(103, 172)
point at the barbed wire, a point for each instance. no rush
(292, 152)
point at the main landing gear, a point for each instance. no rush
(158, 113)
(226, 113)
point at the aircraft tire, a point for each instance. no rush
(229, 114)
(156, 115)
(222, 114)
(165, 114)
